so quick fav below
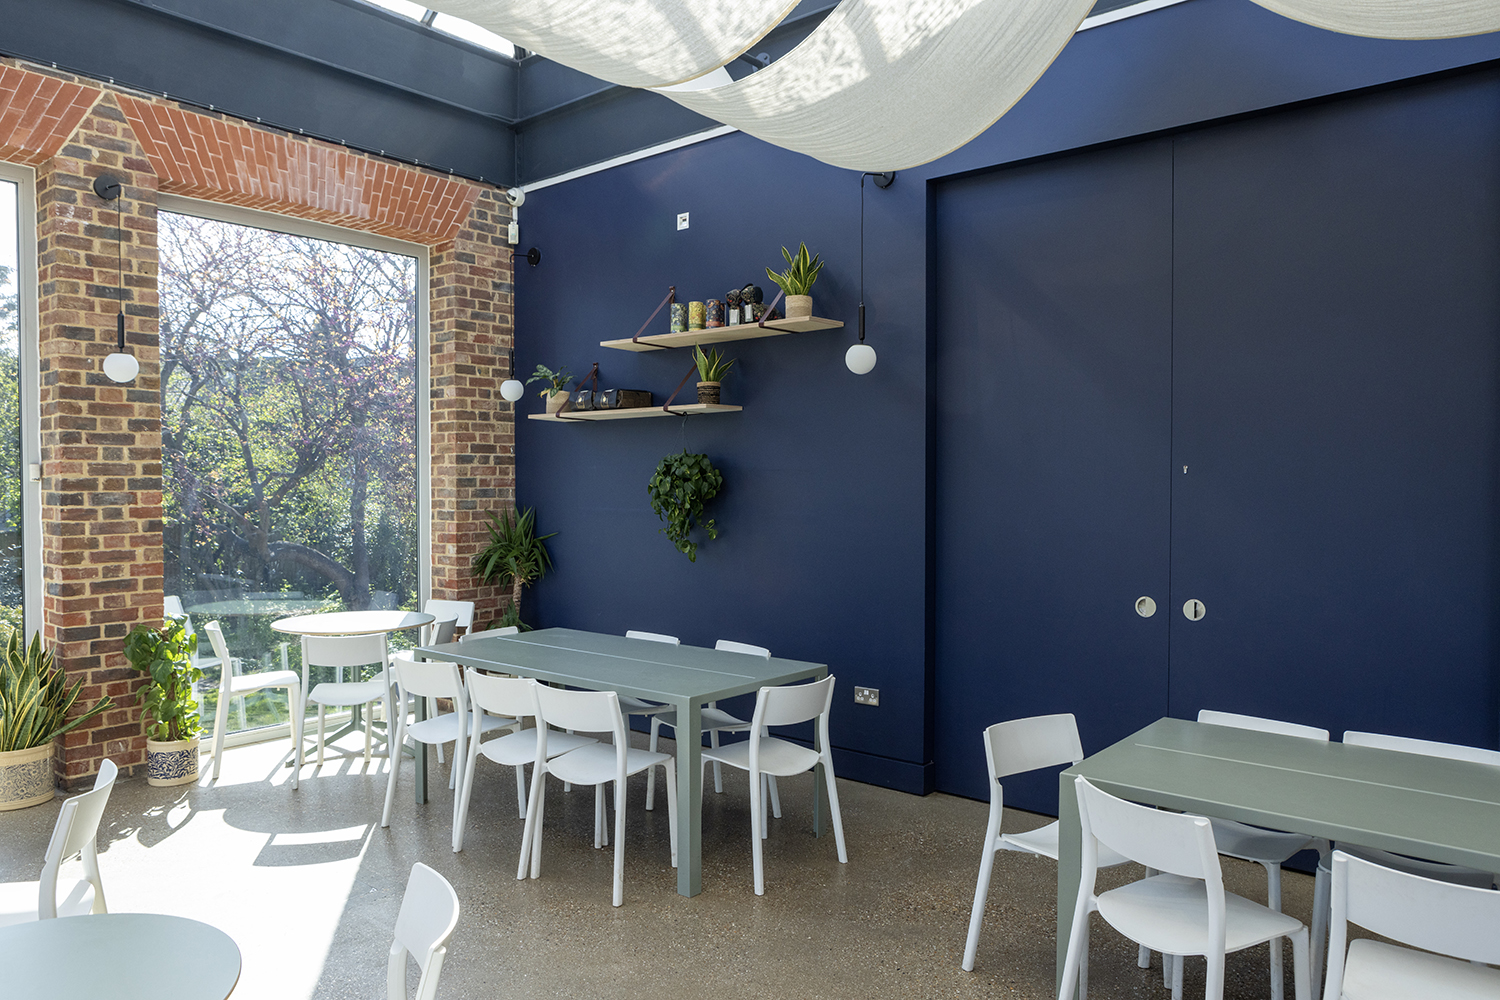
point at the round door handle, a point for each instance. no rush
(1194, 610)
(1145, 607)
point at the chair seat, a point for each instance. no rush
(1252, 843)
(444, 728)
(713, 719)
(634, 706)
(269, 679)
(595, 763)
(18, 901)
(1169, 913)
(515, 749)
(348, 693)
(777, 757)
(1379, 971)
(1454, 874)
(1043, 841)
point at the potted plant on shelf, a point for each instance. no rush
(712, 367)
(34, 704)
(514, 557)
(165, 656)
(555, 391)
(682, 485)
(797, 281)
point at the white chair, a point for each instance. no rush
(429, 913)
(1013, 748)
(713, 723)
(352, 651)
(1270, 848)
(761, 754)
(432, 680)
(595, 764)
(507, 630)
(233, 684)
(507, 697)
(1455, 920)
(172, 608)
(75, 833)
(438, 632)
(635, 706)
(462, 612)
(1182, 911)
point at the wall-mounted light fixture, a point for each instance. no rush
(860, 358)
(119, 366)
(512, 389)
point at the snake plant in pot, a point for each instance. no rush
(34, 704)
(797, 281)
(165, 656)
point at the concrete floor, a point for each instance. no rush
(308, 885)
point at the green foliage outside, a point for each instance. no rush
(681, 487)
(164, 655)
(35, 698)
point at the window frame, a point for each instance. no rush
(30, 393)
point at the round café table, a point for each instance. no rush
(122, 956)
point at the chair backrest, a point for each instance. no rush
(670, 640)
(75, 832)
(1027, 744)
(585, 711)
(1427, 748)
(426, 678)
(344, 650)
(1457, 920)
(729, 646)
(461, 611)
(1262, 725)
(1180, 843)
(507, 630)
(172, 605)
(429, 913)
(439, 631)
(508, 696)
(221, 650)
(789, 704)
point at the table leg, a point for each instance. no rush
(1069, 865)
(689, 733)
(419, 751)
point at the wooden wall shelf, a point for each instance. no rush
(633, 413)
(722, 334)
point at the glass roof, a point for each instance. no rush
(448, 24)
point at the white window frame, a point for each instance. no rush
(30, 337)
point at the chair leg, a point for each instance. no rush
(757, 824)
(765, 824)
(713, 741)
(1213, 988)
(981, 894)
(619, 897)
(599, 816)
(775, 796)
(531, 844)
(390, 783)
(669, 767)
(369, 724)
(1078, 945)
(221, 720)
(520, 790)
(1320, 916)
(322, 714)
(465, 789)
(1273, 900)
(294, 708)
(651, 771)
(1301, 965)
(1178, 964)
(1083, 965)
(833, 807)
(432, 711)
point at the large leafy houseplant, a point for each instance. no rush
(165, 656)
(679, 489)
(35, 698)
(515, 556)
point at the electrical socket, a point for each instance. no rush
(866, 696)
(682, 220)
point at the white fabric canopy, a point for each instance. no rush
(890, 84)
(1404, 19)
(637, 43)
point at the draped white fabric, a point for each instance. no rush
(1404, 19)
(890, 84)
(637, 43)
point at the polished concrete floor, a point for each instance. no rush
(308, 885)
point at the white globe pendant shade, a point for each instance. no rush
(512, 390)
(121, 367)
(860, 358)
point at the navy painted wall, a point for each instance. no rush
(825, 547)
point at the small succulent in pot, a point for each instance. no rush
(712, 367)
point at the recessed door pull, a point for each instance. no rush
(1145, 607)
(1194, 610)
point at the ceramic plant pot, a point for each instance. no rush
(708, 392)
(173, 762)
(799, 307)
(26, 777)
(556, 401)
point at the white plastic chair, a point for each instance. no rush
(462, 612)
(1270, 848)
(429, 913)
(787, 705)
(508, 697)
(438, 632)
(348, 651)
(1455, 920)
(75, 833)
(507, 630)
(595, 764)
(233, 684)
(1182, 911)
(714, 722)
(1013, 748)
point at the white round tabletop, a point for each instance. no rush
(352, 622)
(110, 955)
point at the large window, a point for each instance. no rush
(12, 465)
(290, 435)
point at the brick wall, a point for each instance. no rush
(101, 443)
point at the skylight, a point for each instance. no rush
(449, 25)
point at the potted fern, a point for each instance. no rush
(165, 656)
(34, 704)
(515, 556)
(712, 367)
(797, 281)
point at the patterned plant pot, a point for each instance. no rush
(26, 777)
(708, 392)
(173, 762)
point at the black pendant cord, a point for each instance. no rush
(862, 257)
(120, 268)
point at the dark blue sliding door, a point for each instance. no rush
(1336, 334)
(1053, 363)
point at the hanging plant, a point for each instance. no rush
(682, 485)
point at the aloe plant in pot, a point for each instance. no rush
(35, 700)
(165, 656)
(797, 281)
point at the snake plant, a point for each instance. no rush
(35, 698)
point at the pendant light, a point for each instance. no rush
(512, 389)
(119, 366)
(860, 358)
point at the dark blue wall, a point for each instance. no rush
(825, 551)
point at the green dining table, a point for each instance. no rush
(685, 677)
(1425, 807)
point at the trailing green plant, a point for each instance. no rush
(556, 380)
(798, 278)
(712, 367)
(35, 698)
(515, 556)
(679, 489)
(165, 656)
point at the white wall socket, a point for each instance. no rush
(866, 696)
(682, 220)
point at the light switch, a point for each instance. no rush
(682, 220)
